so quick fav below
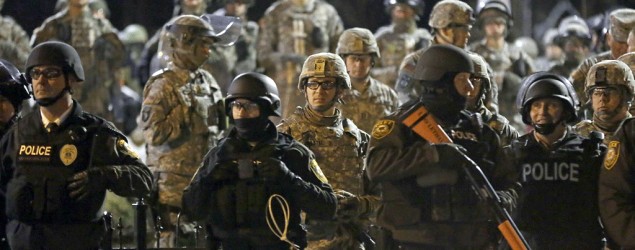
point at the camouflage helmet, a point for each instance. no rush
(573, 27)
(431, 68)
(448, 12)
(357, 41)
(610, 72)
(58, 54)
(622, 21)
(256, 87)
(417, 5)
(480, 70)
(324, 65)
(545, 84)
(13, 86)
(133, 33)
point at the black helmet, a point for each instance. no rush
(55, 53)
(544, 84)
(438, 60)
(13, 86)
(256, 87)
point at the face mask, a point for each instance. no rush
(251, 129)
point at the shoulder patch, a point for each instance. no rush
(123, 147)
(315, 168)
(382, 128)
(612, 155)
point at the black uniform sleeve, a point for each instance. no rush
(617, 187)
(197, 196)
(398, 154)
(128, 176)
(309, 188)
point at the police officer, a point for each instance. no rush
(426, 202)
(181, 116)
(368, 99)
(574, 37)
(254, 163)
(58, 161)
(621, 22)
(291, 30)
(339, 147)
(400, 38)
(451, 21)
(609, 88)
(476, 102)
(509, 63)
(557, 167)
(13, 91)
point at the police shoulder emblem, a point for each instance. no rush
(123, 147)
(68, 154)
(612, 155)
(382, 128)
(315, 168)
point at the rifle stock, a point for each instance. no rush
(423, 123)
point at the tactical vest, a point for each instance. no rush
(367, 107)
(44, 162)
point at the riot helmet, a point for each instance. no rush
(13, 85)
(545, 84)
(440, 60)
(324, 65)
(499, 10)
(450, 12)
(357, 41)
(58, 54)
(611, 73)
(258, 88)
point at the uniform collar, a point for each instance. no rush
(60, 119)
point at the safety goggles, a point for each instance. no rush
(245, 105)
(49, 73)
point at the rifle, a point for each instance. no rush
(423, 123)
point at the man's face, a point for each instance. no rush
(495, 28)
(321, 92)
(546, 110)
(359, 66)
(575, 49)
(201, 49)
(244, 108)
(7, 111)
(463, 84)
(605, 102)
(48, 81)
(402, 12)
(473, 96)
(457, 35)
(617, 48)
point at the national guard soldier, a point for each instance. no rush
(368, 99)
(290, 31)
(476, 102)
(58, 161)
(339, 147)
(426, 201)
(252, 164)
(621, 22)
(609, 88)
(14, 42)
(553, 53)
(574, 37)
(558, 169)
(508, 62)
(99, 47)
(400, 38)
(451, 21)
(182, 114)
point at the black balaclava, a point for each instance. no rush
(442, 99)
(253, 129)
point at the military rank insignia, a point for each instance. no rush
(124, 148)
(315, 168)
(612, 155)
(68, 154)
(382, 128)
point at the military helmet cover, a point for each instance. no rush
(324, 65)
(607, 73)
(449, 12)
(357, 41)
(622, 21)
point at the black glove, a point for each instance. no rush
(451, 154)
(91, 181)
(508, 199)
(271, 169)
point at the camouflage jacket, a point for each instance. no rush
(585, 127)
(578, 76)
(509, 58)
(14, 43)
(365, 108)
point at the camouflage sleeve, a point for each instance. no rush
(130, 177)
(578, 78)
(267, 42)
(15, 44)
(617, 187)
(162, 114)
(336, 28)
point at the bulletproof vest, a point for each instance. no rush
(459, 202)
(338, 149)
(368, 107)
(38, 190)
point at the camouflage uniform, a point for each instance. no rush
(99, 47)
(622, 21)
(14, 42)
(340, 150)
(181, 116)
(288, 35)
(395, 41)
(608, 74)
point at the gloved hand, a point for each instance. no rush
(272, 169)
(451, 154)
(448, 167)
(508, 199)
(87, 182)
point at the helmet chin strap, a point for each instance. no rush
(48, 101)
(547, 128)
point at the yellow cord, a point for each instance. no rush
(271, 219)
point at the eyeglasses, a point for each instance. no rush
(608, 92)
(326, 85)
(247, 106)
(49, 73)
